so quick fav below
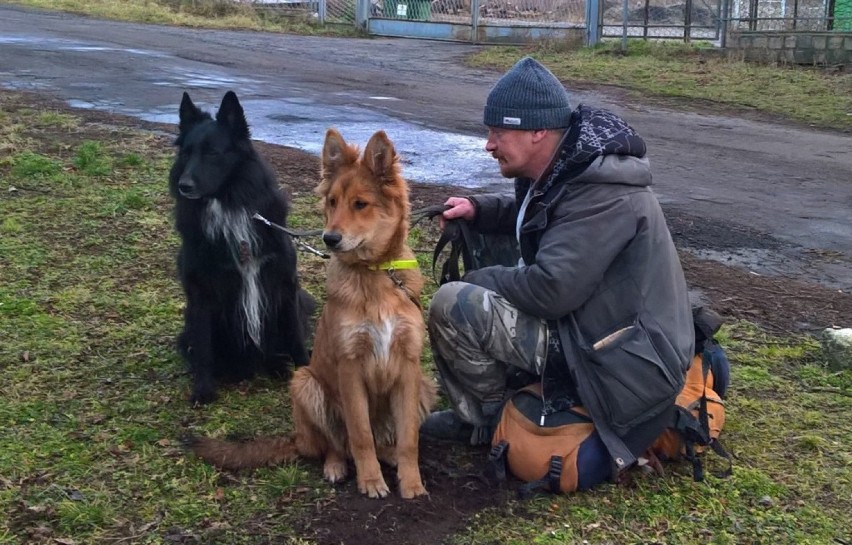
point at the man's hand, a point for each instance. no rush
(460, 207)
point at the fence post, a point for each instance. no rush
(362, 13)
(321, 11)
(723, 24)
(474, 20)
(687, 21)
(593, 27)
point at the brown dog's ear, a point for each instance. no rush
(381, 158)
(336, 153)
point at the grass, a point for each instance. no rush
(222, 14)
(94, 401)
(95, 397)
(697, 76)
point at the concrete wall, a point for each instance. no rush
(819, 48)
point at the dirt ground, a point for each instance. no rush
(454, 473)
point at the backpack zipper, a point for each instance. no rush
(544, 404)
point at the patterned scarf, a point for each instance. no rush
(593, 132)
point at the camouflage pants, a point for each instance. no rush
(477, 336)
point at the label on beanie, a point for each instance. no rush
(511, 120)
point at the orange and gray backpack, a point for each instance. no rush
(549, 442)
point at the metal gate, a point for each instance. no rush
(679, 19)
(479, 21)
(523, 21)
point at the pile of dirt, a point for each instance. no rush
(452, 473)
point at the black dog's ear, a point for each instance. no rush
(189, 113)
(232, 116)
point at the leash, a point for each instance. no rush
(295, 235)
(391, 267)
(428, 212)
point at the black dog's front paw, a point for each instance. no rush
(182, 345)
(202, 395)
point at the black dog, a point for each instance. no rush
(245, 312)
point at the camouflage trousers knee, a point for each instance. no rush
(477, 338)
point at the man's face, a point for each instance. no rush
(514, 150)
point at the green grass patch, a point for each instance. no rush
(94, 400)
(91, 159)
(196, 13)
(26, 164)
(694, 72)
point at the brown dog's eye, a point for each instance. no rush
(360, 205)
(332, 202)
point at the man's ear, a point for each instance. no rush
(540, 134)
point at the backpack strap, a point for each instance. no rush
(692, 433)
(696, 431)
(457, 234)
(497, 461)
(551, 481)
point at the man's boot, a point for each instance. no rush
(447, 425)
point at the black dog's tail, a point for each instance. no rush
(306, 307)
(254, 453)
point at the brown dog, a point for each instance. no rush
(364, 395)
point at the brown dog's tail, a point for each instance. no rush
(260, 452)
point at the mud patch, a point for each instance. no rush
(452, 473)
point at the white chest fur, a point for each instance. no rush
(235, 228)
(379, 336)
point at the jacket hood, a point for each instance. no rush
(617, 169)
(600, 139)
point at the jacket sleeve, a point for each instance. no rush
(495, 214)
(575, 251)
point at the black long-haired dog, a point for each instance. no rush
(245, 312)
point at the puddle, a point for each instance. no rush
(58, 44)
(299, 120)
(831, 269)
(428, 155)
(23, 82)
(184, 79)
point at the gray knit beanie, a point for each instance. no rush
(528, 97)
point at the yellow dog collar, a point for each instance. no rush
(396, 264)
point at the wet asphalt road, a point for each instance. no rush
(790, 184)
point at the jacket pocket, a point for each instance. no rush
(633, 382)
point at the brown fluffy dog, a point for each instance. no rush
(364, 395)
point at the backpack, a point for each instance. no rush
(700, 413)
(550, 443)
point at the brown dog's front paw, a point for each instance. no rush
(412, 490)
(334, 470)
(374, 488)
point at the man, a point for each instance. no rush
(598, 269)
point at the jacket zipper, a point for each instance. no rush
(543, 369)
